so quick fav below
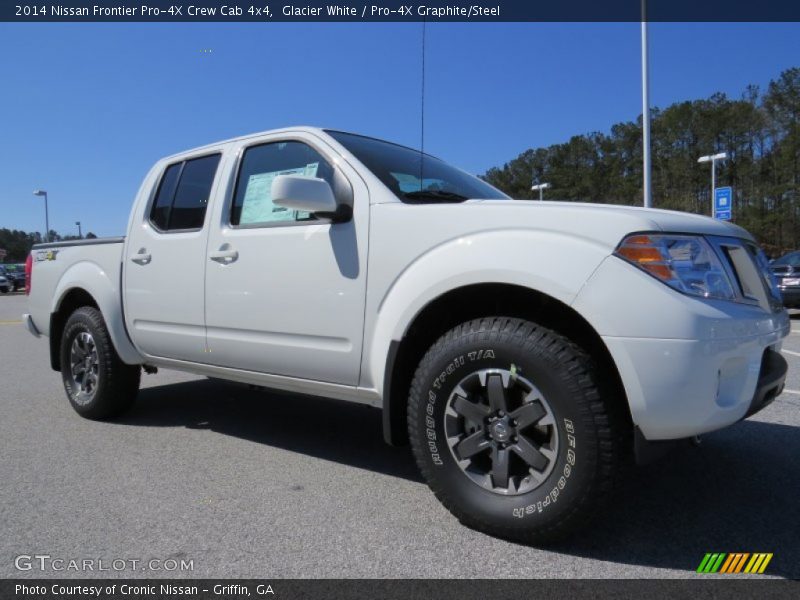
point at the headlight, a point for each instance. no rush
(685, 262)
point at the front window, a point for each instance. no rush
(413, 176)
(252, 200)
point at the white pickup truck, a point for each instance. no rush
(523, 348)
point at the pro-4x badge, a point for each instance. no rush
(46, 255)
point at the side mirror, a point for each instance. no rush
(308, 194)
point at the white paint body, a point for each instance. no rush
(315, 308)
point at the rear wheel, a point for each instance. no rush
(510, 431)
(98, 384)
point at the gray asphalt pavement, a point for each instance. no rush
(255, 484)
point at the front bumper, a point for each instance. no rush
(688, 365)
(681, 388)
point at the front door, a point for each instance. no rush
(285, 291)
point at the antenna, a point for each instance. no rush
(422, 112)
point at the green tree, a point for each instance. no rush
(760, 133)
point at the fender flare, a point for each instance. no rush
(563, 262)
(93, 279)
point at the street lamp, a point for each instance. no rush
(78, 223)
(647, 191)
(713, 158)
(541, 187)
(46, 216)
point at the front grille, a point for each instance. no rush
(782, 270)
(750, 271)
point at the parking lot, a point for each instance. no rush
(255, 484)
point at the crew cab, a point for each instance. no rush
(524, 349)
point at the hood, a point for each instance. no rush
(608, 223)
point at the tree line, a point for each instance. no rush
(17, 244)
(760, 131)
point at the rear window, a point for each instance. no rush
(183, 193)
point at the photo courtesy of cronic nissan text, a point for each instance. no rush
(376, 300)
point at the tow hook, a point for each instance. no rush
(696, 441)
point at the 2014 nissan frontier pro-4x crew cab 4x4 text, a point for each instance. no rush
(523, 348)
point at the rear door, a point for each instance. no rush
(164, 266)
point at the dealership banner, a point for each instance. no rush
(405, 589)
(401, 10)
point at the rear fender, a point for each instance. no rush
(95, 281)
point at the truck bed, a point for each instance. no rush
(59, 267)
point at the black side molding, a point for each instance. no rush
(770, 381)
(394, 418)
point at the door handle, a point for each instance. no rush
(224, 256)
(141, 257)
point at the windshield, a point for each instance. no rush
(792, 259)
(400, 170)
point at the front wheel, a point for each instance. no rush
(509, 429)
(98, 384)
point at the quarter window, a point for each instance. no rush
(252, 201)
(183, 194)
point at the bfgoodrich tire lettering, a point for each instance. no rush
(555, 429)
(98, 384)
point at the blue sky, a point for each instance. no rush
(88, 107)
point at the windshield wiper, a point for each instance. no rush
(435, 195)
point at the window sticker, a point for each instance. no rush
(257, 206)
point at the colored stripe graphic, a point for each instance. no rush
(711, 562)
(703, 563)
(738, 567)
(766, 562)
(758, 563)
(729, 562)
(751, 564)
(734, 562)
(718, 564)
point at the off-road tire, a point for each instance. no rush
(116, 384)
(585, 463)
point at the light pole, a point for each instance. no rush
(648, 193)
(78, 223)
(541, 187)
(713, 158)
(46, 216)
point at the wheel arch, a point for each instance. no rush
(484, 300)
(71, 301)
(87, 285)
